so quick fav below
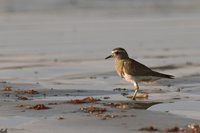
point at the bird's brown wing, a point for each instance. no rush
(135, 68)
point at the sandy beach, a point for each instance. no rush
(50, 58)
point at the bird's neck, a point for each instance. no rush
(121, 58)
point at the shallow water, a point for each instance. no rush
(189, 109)
(49, 49)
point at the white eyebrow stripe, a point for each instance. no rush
(114, 51)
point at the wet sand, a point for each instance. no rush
(61, 56)
(17, 117)
(154, 111)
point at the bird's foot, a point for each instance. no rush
(138, 96)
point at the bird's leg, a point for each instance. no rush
(136, 94)
(136, 88)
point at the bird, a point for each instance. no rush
(134, 71)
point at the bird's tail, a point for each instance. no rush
(157, 74)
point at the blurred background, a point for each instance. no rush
(117, 7)
(64, 42)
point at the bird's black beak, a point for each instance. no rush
(108, 57)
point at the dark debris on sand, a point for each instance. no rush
(150, 129)
(7, 88)
(190, 128)
(22, 98)
(84, 100)
(92, 110)
(31, 91)
(39, 107)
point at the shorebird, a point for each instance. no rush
(133, 71)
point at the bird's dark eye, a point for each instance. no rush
(116, 53)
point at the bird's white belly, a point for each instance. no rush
(129, 78)
(134, 79)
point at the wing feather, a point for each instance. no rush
(135, 68)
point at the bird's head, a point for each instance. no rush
(118, 53)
